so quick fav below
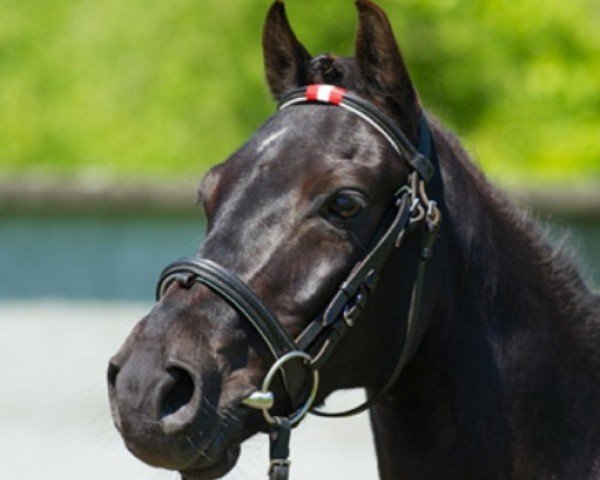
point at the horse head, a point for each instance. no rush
(290, 214)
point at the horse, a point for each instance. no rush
(483, 365)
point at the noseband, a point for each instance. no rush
(300, 359)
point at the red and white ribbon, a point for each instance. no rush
(325, 94)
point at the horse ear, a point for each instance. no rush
(286, 60)
(383, 67)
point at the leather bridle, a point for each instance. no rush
(300, 359)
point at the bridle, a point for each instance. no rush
(300, 359)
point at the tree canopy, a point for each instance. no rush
(153, 89)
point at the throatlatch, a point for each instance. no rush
(299, 360)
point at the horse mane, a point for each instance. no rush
(523, 309)
(513, 239)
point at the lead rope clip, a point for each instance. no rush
(279, 449)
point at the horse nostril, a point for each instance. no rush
(111, 374)
(179, 393)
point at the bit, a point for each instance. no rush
(259, 400)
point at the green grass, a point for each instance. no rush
(149, 89)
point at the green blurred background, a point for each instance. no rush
(148, 89)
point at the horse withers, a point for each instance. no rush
(485, 364)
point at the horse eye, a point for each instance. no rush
(346, 204)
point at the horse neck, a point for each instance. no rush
(508, 306)
(507, 270)
(511, 296)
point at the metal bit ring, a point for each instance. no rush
(303, 410)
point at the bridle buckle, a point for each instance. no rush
(434, 217)
(353, 309)
(278, 462)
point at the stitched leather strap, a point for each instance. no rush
(332, 95)
(412, 336)
(355, 289)
(227, 286)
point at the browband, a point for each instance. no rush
(418, 159)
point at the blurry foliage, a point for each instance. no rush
(149, 88)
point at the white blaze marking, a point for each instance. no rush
(270, 139)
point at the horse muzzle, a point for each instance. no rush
(157, 411)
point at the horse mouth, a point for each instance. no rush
(208, 468)
(221, 454)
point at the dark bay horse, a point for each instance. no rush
(505, 380)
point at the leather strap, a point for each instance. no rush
(352, 295)
(351, 102)
(412, 337)
(279, 449)
(227, 286)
